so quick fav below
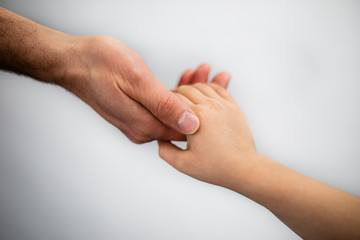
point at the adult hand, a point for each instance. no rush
(118, 84)
(107, 74)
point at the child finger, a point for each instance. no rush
(222, 79)
(201, 74)
(186, 77)
(191, 93)
(207, 90)
(173, 155)
(183, 98)
(222, 92)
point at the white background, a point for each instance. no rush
(65, 173)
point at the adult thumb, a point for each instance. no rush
(167, 107)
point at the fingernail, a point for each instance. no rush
(188, 123)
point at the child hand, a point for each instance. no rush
(222, 152)
(223, 147)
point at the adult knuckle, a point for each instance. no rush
(139, 138)
(135, 141)
(131, 76)
(166, 105)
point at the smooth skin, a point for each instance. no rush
(104, 72)
(222, 152)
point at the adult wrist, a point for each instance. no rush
(29, 48)
(72, 68)
(55, 58)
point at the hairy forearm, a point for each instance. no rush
(310, 208)
(32, 49)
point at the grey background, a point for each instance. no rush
(65, 173)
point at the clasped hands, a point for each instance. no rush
(116, 82)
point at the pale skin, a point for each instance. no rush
(104, 72)
(222, 152)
